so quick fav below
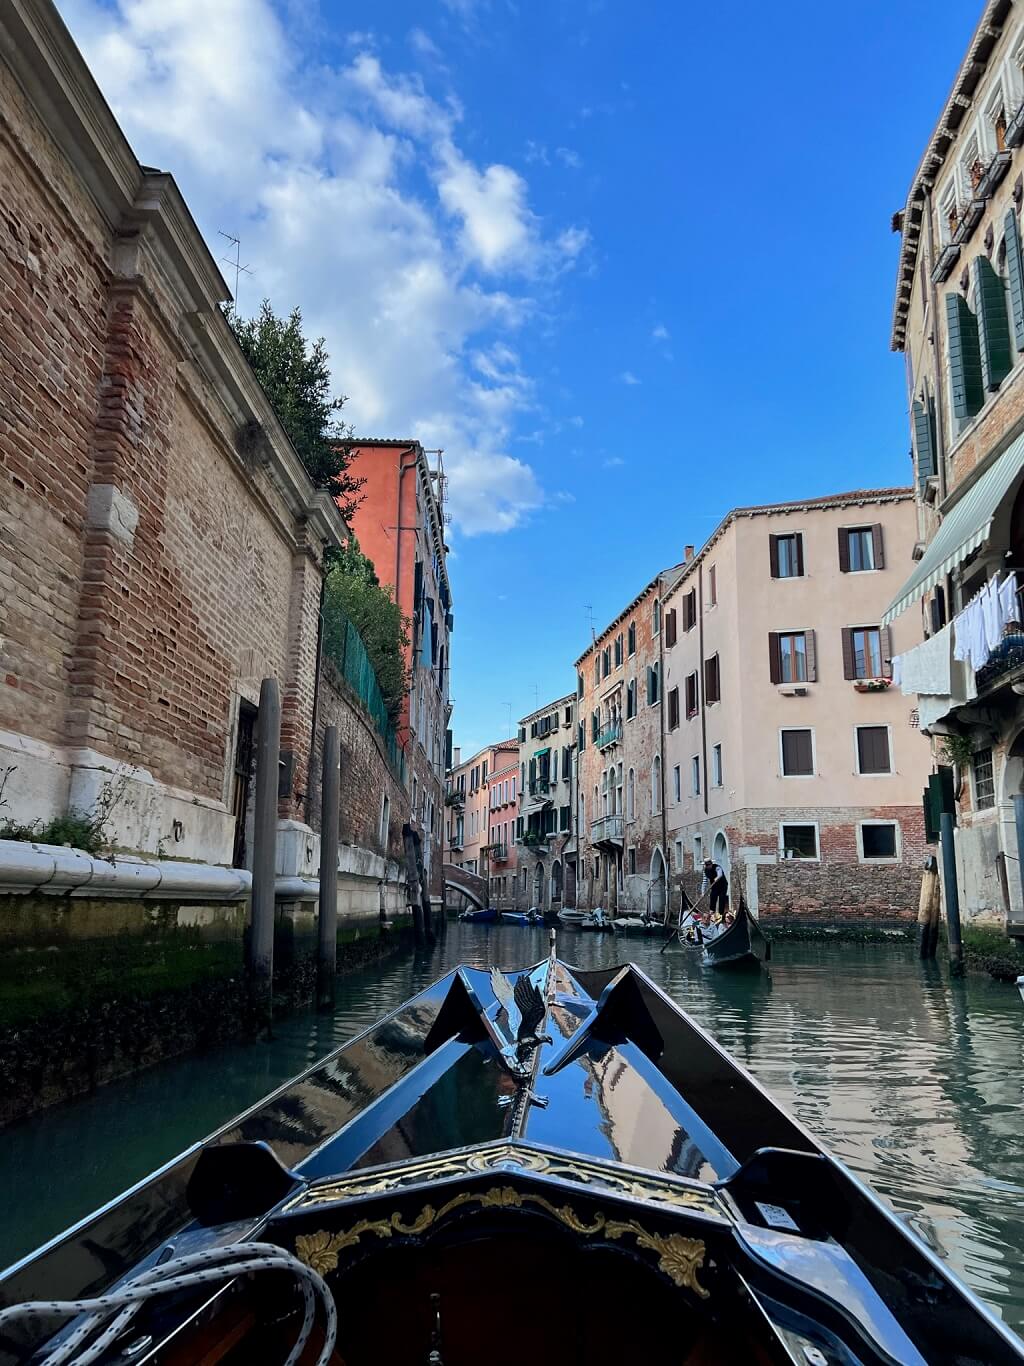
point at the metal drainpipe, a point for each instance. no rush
(661, 704)
(701, 679)
(940, 441)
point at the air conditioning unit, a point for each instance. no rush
(792, 692)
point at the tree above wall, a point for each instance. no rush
(296, 378)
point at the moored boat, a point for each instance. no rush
(570, 919)
(486, 915)
(530, 917)
(358, 1209)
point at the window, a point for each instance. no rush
(630, 795)
(713, 586)
(860, 549)
(656, 618)
(567, 721)
(969, 168)
(798, 841)
(673, 708)
(712, 681)
(630, 699)
(631, 638)
(632, 859)
(690, 688)
(866, 652)
(670, 627)
(792, 658)
(385, 821)
(606, 661)
(677, 784)
(579, 685)
(786, 555)
(656, 785)
(695, 776)
(689, 610)
(873, 755)
(597, 668)
(949, 212)
(653, 684)
(994, 127)
(878, 840)
(618, 650)
(716, 766)
(984, 779)
(679, 855)
(796, 749)
(563, 818)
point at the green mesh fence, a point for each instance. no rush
(344, 645)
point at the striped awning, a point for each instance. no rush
(964, 528)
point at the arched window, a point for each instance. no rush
(604, 793)
(656, 785)
(630, 796)
(556, 881)
(618, 790)
(538, 883)
(524, 877)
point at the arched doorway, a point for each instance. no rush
(538, 883)
(658, 885)
(556, 881)
(720, 851)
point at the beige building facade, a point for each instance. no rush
(790, 758)
(545, 828)
(959, 322)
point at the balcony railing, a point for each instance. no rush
(1006, 658)
(611, 735)
(456, 798)
(539, 786)
(607, 830)
(498, 852)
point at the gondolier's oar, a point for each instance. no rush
(680, 923)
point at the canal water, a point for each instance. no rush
(915, 1082)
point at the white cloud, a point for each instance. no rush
(569, 158)
(537, 152)
(627, 377)
(613, 462)
(576, 421)
(661, 333)
(424, 45)
(354, 200)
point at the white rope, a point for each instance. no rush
(110, 1315)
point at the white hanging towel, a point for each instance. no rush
(990, 615)
(927, 667)
(1009, 608)
(969, 634)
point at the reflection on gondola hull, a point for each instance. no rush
(743, 945)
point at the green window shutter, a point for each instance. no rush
(1015, 274)
(924, 438)
(964, 358)
(993, 324)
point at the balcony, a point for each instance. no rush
(948, 258)
(456, 798)
(533, 839)
(1005, 660)
(607, 831)
(539, 787)
(993, 174)
(611, 735)
(498, 853)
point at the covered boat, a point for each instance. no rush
(555, 1167)
(486, 915)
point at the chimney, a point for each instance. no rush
(687, 553)
(456, 756)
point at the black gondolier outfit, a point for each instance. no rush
(719, 885)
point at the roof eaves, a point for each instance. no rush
(658, 579)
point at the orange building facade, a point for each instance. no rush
(400, 527)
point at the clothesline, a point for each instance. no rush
(970, 638)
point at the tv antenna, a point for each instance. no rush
(240, 270)
(589, 607)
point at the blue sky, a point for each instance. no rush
(628, 263)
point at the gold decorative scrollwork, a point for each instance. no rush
(678, 1257)
(513, 1156)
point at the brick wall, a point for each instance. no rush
(153, 567)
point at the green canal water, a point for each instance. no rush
(913, 1081)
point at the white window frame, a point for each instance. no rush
(997, 96)
(796, 535)
(716, 766)
(799, 777)
(896, 858)
(861, 526)
(964, 159)
(695, 775)
(817, 842)
(869, 725)
(656, 785)
(698, 849)
(677, 784)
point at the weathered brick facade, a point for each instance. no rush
(162, 546)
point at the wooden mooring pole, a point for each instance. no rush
(928, 909)
(952, 895)
(327, 921)
(264, 858)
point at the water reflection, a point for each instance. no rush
(913, 1081)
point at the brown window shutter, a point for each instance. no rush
(670, 627)
(811, 651)
(799, 539)
(804, 752)
(878, 545)
(844, 554)
(885, 642)
(774, 657)
(849, 670)
(773, 555)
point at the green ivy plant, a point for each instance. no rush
(957, 750)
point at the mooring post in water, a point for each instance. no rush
(327, 923)
(1018, 814)
(264, 854)
(412, 883)
(952, 895)
(928, 908)
(421, 874)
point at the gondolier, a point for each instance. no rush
(717, 883)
